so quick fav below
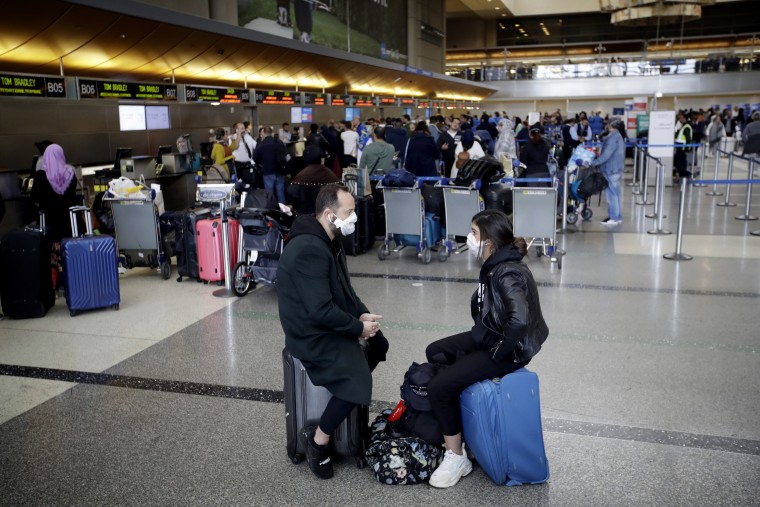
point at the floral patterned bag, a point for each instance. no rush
(399, 460)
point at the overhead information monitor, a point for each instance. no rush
(12, 85)
(360, 101)
(92, 89)
(277, 97)
(222, 95)
(315, 99)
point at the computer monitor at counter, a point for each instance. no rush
(162, 150)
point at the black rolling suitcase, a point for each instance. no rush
(379, 198)
(186, 243)
(26, 279)
(363, 237)
(304, 404)
(498, 196)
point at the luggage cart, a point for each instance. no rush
(404, 214)
(535, 218)
(138, 234)
(461, 204)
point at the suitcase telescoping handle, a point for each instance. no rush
(43, 226)
(73, 217)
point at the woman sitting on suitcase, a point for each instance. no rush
(508, 331)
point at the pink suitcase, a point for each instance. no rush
(210, 256)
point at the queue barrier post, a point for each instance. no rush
(703, 151)
(678, 255)
(634, 181)
(658, 208)
(750, 170)
(637, 187)
(645, 185)
(726, 203)
(714, 191)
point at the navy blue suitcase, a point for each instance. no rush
(90, 267)
(501, 424)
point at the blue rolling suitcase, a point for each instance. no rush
(90, 267)
(501, 423)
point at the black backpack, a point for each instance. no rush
(594, 184)
(418, 419)
(486, 169)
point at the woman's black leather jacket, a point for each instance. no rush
(510, 309)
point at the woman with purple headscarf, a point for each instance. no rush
(54, 192)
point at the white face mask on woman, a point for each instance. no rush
(476, 247)
(346, 226)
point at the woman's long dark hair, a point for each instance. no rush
(494, 225)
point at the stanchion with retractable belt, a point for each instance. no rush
(659, 214)
(714, 191)
(678, 255)
(645, 185)
(703, 149)
(750, 171)
(637, 187)
(659, 188)
(726, 203)
(634, 181)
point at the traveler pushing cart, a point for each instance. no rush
(138, 235)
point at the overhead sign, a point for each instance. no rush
(364, 101)
(12, 85)
(424, 104)
(407, 102)
(92, 89)
(388, 101)
(223, 95)
(340, 100)
(278, 97)
(316, 99)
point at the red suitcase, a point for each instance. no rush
(210, 256)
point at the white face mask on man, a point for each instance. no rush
(346, 226)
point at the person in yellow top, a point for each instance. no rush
(221, 153)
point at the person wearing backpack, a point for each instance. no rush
(611, 161)
(508, 331)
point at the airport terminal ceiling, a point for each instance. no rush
(133, 41)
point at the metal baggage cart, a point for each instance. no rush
(461, 204)
(138, 234)
(535, 218)
(404, 214)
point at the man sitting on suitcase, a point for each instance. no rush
(324, 321)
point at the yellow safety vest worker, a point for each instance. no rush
(681, 138)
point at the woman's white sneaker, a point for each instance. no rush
(453, 468)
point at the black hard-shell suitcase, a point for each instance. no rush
(186, 243)
(26, 281)
(304, 404)
(379, 198)
(363, 237)
(498, 196)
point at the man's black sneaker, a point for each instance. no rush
(317, 456)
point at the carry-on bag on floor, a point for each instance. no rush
(304, 404)
(501, 423)
(186, 242)
(363, 237)
(210, 248)
(90, 268)
(26, 280)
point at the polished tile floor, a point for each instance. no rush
(649, 379)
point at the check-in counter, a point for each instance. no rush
(19, 209)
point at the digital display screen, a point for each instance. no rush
(278, 97)
(32, 86)
(131, 117)
(307, 115)
(388, 101)
(315, 99)
(408, 102)
(352, 112)
(364, 101)
(91, 89)
(157, 117)
(222, 95)
(295, 115)
(339, 100)
(423, 104)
